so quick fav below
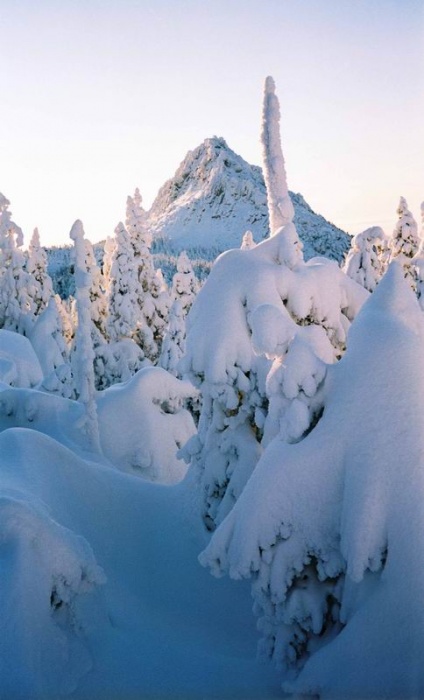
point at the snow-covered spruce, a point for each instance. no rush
(258, 305)
(254, 304)
(321, 525)
(121, 357)
(152, 295)
(83, 355)
(418, 262)
(364, 262)
(185, 287)
(404, 242)
(40, 287)
(280, 207)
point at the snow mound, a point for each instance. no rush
(143, 424)
(19, 365)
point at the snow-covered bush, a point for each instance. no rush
(321, 526)
(364, 262)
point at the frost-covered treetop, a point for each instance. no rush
(281, 211)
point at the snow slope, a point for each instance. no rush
(215, 196)
(102, 593)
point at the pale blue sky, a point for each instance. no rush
(100, 97)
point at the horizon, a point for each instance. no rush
(106, 99)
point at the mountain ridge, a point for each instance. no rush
(215, 196)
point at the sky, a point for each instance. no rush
(102, 96)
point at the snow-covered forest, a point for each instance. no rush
(165, 416)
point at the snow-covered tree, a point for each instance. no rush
(185, 284)
(15, 303)
(321, 527)
(121, 357)
(280, 207)
(247, 241)
(83, 356)
(152, 297)
(173, 346)
(40, 288)
(364, 262)
(404, 241)
(48, 340)
(259, 306)
(418, 262)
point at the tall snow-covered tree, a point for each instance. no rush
(253, 306)
(40, 287)
(280, 207)
(121, 357)
(153, 297)
(364, 263)
(83, 357)
(123, 309)
(329, 530)
(173, 346)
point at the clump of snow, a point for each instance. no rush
(143, 424)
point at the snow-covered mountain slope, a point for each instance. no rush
(215, 196)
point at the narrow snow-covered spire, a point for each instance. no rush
(84, 352)
(281, 211)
